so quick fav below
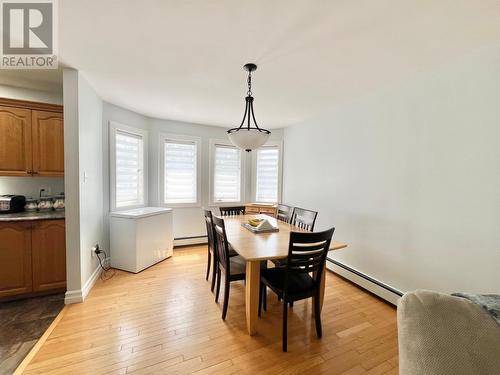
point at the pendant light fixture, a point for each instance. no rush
(248, 137)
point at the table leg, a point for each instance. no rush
(252, 295)
(321, 289)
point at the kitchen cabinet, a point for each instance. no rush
(47, 132)
(31, 139)
(32, 257)
(15, 141)
(49, 255)
(15, 259)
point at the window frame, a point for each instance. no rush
(115, 127)
(279, 145)
(179, 138)
(212, 147)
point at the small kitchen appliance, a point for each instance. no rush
(12, 203)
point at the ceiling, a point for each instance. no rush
(182, 60)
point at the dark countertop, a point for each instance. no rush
(33, 215)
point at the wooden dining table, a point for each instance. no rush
(258, 247)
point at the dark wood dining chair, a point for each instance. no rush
(212, 253)
(303, 218)
(293, 282)
(284, 213)
(232, 211)
(233, 267)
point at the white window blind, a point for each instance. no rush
(180, 184)
(129, 169)
(267, 174)
(227, 174)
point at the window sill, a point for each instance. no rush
(181, 205)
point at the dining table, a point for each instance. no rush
(257, 247)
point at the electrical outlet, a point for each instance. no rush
(94, 249)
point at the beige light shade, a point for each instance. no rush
(248, 139)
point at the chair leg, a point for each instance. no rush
(214, 274)
(218, 285)
(317, 316)
(208, 264)
(264, 296)
(226, 297)
(284, 333)
(260, 298)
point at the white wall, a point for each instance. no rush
(409, 176)
(13, 92)
(83, 182)
(30, 186)
(188, 222)
(91, 175)
(72, 186)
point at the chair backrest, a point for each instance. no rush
(307, 253)
(231, 211)
(221, 244)
(210, 230)
(284, 213)
(303, 218)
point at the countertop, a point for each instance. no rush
(33, 215)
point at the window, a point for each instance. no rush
(180, 167)
(267, 174)
(226, 173)
(128, 166)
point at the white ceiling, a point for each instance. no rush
(183, 60)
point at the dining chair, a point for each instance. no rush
(284, 213)
(212, 253)
(232, 211)
(303, 218)
(233, 267)
(293, 282)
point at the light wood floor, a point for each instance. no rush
(164, 320)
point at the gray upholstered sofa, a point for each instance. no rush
(440, 334)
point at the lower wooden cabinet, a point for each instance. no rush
(32, 257)
(49, 255)
(15, 259)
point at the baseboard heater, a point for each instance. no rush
(372, 285)
(187, 241)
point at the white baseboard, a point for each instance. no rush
(73, 296)
(370, 286)
(190, 241)
(79, 295)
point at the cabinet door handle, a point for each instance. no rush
(29, 172)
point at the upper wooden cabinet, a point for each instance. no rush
(31, 139)
(47, 132)
(15, 141)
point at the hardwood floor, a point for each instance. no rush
(165, 321)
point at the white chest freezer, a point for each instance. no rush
(140, 237)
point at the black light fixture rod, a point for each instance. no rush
(249, 114)
(253, 115)
(244, 115)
